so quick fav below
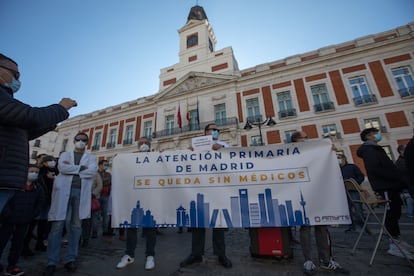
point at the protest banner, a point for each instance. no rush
(274, 185)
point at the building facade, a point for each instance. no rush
(333, 92)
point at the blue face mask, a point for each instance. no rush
(378, 137)
(14, 85)
(215, 134)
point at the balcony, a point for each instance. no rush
(232, 121)
(287, 113)
(127, 142)
(365, 100)
(328, 106)
(110, 145)
(406, 92)
(95, 147)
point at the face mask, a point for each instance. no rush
(80, 145)
(32, 176)
(378, 137)
(105, 168)
(144, 148)
(51, 164)
(14, 85)
(215, 134)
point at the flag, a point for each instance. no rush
(179, 117)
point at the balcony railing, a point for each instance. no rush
(324, 107)
(287, 113)
(194, 127)
(406, 92)
(110, 145)
(127, 142)
(365, 99)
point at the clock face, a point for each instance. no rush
(192, 40)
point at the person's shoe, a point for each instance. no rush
(150, 263)
(224, 261)
(395, 251)
(50, 270)
(125, 260)
(71, 266)
(334, 266)
(14, 270)
(190, 260)
(309, 267)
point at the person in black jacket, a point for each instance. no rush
(409, 163)
(16, 217)
(386, 182)
(20, 123)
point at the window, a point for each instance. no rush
(37, 143)
(253, 110)
(288, 135)
(169, 124)
(192, 40)
(361, 92)
(148, 129)
(112, 138)
(34, 154)
(329, 131)
(220, 114)
(321, 98)
(285, 105)
(64, 145)
(404, 79)
(129, 134)
(210, 45)
(256, 141)
(194, 123)
(97, 141)
(372, 122)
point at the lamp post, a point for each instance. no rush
(258, 122)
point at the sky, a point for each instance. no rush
(106, 52)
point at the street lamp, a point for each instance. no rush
(257, 122)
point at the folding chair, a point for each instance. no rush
(370, 204)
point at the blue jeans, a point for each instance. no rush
(5, 196)
(74, 231)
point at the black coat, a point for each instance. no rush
(381, 171)
(24, 206)
(409, 162)
(20, 123)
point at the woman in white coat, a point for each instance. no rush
(71, 202)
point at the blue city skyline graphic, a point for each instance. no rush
(266, 212)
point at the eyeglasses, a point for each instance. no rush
(15, 73)
(80, 139)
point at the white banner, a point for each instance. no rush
(274, 185)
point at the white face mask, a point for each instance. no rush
(80, 145)
(32, 176)
(51, 164)
(144, 148)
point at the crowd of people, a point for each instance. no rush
(69, 197)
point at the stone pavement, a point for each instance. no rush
(102, 255)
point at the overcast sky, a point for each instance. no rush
(106, 52)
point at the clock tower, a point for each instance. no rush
(197, 51)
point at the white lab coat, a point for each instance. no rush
(63, 182)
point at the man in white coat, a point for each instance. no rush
(71, 202)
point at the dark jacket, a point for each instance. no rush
(402, 170)
(20, 123)
(24, 206)
(409, 162)
(352, 171)
(381, 171)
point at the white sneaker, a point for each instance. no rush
(395, 251)
(150, 263)
(126, 260)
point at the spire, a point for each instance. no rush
(197, 13)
